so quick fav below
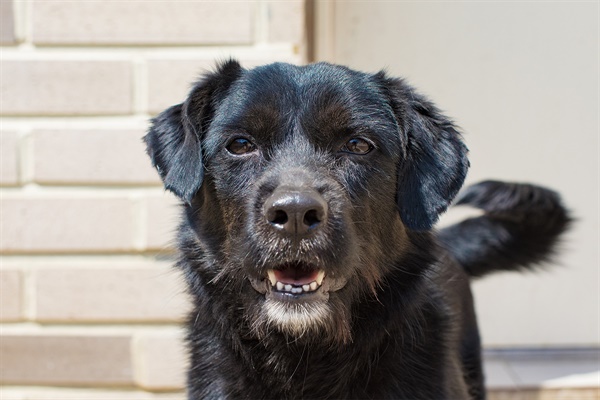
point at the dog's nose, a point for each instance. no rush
(298, 212)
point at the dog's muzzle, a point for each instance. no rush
(296, 212)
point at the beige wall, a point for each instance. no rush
(90, 307)
(521, 79)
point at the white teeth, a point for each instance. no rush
(320, 277)
(287, 287)
(271, 275)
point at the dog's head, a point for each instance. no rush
(302, 185)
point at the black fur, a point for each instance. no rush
(394, 317)
(520, 228)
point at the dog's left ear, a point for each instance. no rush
(435, 162)
(174, 139)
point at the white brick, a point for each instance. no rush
(161, 361)
(117, 293)
(92, 157)
(131, 22)
(162, 216)
(30, 87)
(47, 393)
(11, 295)
(286, 21)
(9, 170)
(66, 224)
(7, 25)
(66, 359)
(170, 80)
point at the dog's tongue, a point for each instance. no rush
(296, 276)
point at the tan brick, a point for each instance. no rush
(161, 361)
(9, 171)
(11, 295)
(157, 22)
(7, 25)
(66, 224)
(92, 157)
(65, 87)
(162, 217)
(66, 360)
(286, 21)
(115, 294)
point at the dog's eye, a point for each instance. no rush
(358, 146)
(239, 146)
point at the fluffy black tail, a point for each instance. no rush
(520, 228)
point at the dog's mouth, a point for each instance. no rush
(296, 278)
(298, 296)
(297, 281)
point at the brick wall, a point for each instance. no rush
(90, 307)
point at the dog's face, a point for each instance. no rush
(302, 185)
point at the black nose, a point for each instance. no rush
(296, 211)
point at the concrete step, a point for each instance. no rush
(543, 374)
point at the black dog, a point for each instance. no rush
(309, 197)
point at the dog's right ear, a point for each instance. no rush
(174, 139)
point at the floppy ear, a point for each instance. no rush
(435, 163)
(174, 139)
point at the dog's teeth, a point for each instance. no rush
(307, 288)
(271, 275)
(320, 277)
